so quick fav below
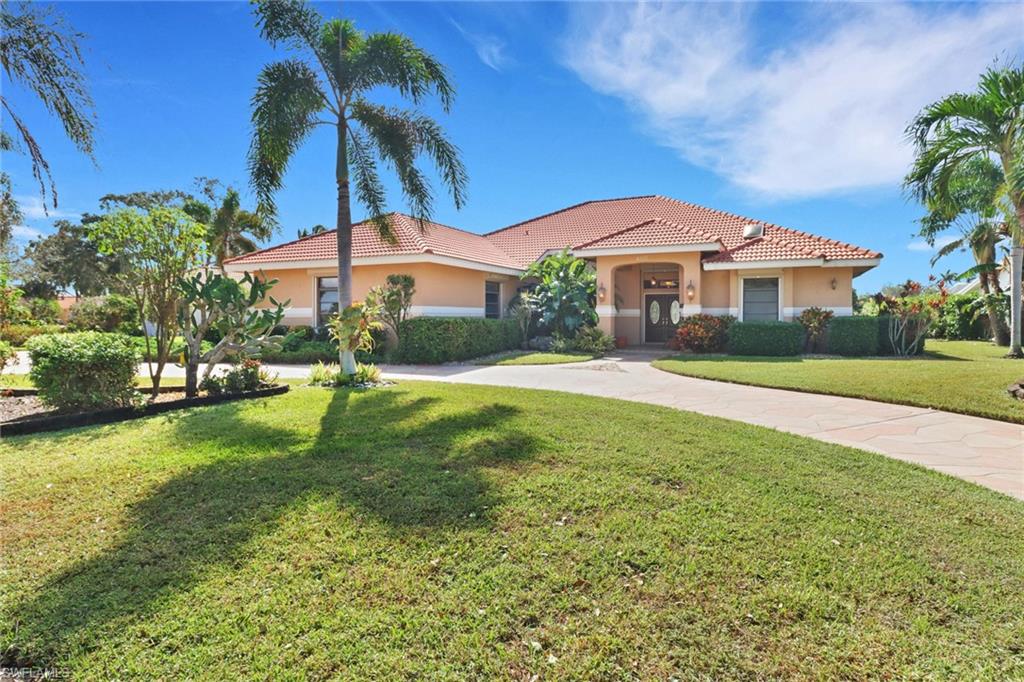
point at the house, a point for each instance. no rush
(657, 259)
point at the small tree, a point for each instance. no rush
(565, 293)
(394, 300)
(213, 301)
(353, 327)
(910, 316)
(158, 247)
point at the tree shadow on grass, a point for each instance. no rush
(390, 457)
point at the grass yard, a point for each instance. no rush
(470, 532)
(959, 376)
(523, 357)
(22, 381)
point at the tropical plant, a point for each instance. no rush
(815, 322)
(352, 328)
(330, 86)
(158, 247)
(523, 309)
(40, 51)
(952, 132)
(234, 231)
(565, 292)
(702, 333)
(971, 205)
(394, 300)
(210, 301)
(8, 356)
(910, 316)
(594, 341)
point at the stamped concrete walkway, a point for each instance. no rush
(985, 451)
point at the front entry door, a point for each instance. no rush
(659, 309)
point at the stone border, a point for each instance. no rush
(118, 414)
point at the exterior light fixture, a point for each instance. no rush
(691, 291)
(601, 292)
(834, 283)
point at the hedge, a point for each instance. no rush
(765, 338)
(85, 370)
(433, 340)
(19, 334)
(858, 335)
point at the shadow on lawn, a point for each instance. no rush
(376, 453)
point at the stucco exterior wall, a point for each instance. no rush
(441, 290)
(813, 287)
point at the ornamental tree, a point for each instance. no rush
(394, 300)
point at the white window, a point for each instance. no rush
(326, 299)
(760, 298)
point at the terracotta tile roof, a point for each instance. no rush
(434, 238)
(590, 221)
(651, 233)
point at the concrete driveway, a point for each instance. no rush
(984, 451)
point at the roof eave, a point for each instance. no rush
(395, 259)
(638, 250)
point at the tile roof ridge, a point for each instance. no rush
(563, 210)
(413, 232)
(660, 221)
(278, 246)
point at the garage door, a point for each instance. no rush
(760, 299)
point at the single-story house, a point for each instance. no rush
(657, 259)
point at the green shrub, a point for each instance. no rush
(433, 340)
(113, 313)
(173, 354)
(84, 370)
(303, 353)
(702, 333)
(765, 338)
(330, 375)
(43, 310)
(587, 340)
(858, 335)
(19, 334)
(8, 356)
(243, 377)
(815, 322)
(959, 319)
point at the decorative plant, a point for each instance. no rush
(8, 356)
(213, 301)
(394, 300)
(910, 315)
(815, 322)
(702, 333)
(565, 293)
(522, 310)
(353, 329)
(594, 341)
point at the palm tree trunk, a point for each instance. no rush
(1016, 258)
(344, 235)
(996, 323)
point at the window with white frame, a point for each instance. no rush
(760, 298)
(326, 299)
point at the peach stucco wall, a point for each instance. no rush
(440, 289)
(717, 291)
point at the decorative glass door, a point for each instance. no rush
(658, 314)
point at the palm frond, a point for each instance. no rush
(369, 189)
(292, 22)
(288, 97)
(394, 60)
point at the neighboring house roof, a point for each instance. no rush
(410, 240)
(633, 224)
(585, 223)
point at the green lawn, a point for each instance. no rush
(470, 532)
(960, 376)
(22, 381)
(520, 357)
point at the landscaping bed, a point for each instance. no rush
(27, 414)
(523, 357)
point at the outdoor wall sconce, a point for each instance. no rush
(834, 283)
(691, 291)
(601, 293)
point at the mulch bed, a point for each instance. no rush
(25, 414)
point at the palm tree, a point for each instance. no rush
(330, 87)
(963, 126)
(41, 52)
(971, 205)
(235, 231)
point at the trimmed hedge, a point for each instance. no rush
(84, 370)
(765, 338)
(434, 340)
(858, 335)
(19, 334)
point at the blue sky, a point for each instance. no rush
(790, 113)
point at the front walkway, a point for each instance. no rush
(985, 451)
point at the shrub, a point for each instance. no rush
(113, 313)
(19, 334)
(587, 340)
(84, 370)
(858, 335)
(960, 317)
(702, 333)
(433, 340)
(304, 353)
(765, 338)
(43, 310)
(8, 356)
(815, 321)
(331, 375)
(243, 377)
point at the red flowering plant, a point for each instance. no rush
(702, 333)
(815, 323)
(911, 315)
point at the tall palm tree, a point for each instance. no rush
(970, 204)
(41, 52)
(235, 231)
(330, 88)
(988, 122)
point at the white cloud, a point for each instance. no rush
(32, 208)
(490, 49)
(25, 233)
(940, 242)
(826, 113)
